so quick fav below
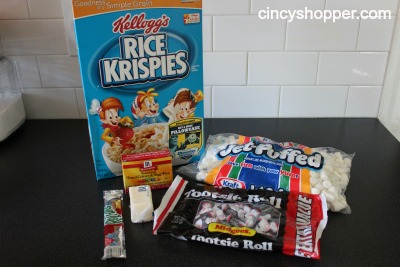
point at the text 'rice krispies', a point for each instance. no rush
(142, 72)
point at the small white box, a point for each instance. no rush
(141, 203)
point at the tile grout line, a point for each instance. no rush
(40, 73)
(279, 101)
(358, 35)
(29, 10)
(211, 102)
(286, 36)
(212, 34)
(247, 69)
(77, 104)
(317, 73)
(250, 6)
(347, 101)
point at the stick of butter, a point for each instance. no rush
(141, 203)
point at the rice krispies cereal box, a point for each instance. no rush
(142, 73)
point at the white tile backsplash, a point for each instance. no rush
(226, 7)
(363, 101)
(362, 5)
(350, 68)
(250, 34)
(28, 71)
(69, 27)
(338, 66)
(282, 68)
(33, 37)
(317, 35)
(245, 101)
(59, 71)
(225, 68)
(50, 103)
(375, 35)
(45, 9)
(207, 102)
(257, 5)
(81, 103)
(14, 9)
(389, 109)
(207, 33)
(308, 101)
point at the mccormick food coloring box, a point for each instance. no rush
(142, 71)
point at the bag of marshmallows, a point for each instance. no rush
(242, 162)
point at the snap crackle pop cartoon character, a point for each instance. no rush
(117, 130)
(145, 108)
(183, 105)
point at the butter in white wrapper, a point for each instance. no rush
(141, 203)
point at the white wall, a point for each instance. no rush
(389, 113)
(275, 68)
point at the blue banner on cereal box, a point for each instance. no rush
(142, 73)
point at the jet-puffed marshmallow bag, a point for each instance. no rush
(237, 161)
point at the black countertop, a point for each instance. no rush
(52, 208)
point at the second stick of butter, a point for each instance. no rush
(141, 203)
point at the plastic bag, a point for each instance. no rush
(238, 161)
(287, 222)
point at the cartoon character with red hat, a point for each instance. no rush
(145, 108)
(117, 130)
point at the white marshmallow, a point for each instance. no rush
(333, 179)
(327, 184)
(319, 186)
(347, 161)
(201, 176)
(338, 206)
(329, 168)
(315, 191)
(338, 156)
(324, 175)
(313, 180)
(231, 139)
(329, 197)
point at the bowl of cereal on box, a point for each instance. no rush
(111, 155)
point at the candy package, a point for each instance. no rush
(114, 236)
(238, 161)
(287, 222)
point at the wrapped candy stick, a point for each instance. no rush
(114, 236)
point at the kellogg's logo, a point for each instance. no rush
(139, 22)
(231, 183)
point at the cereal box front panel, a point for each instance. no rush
(142, 73)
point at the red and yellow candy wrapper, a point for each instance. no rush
(288, 222)
(114, 236)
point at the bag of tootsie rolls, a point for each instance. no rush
(289, 222)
